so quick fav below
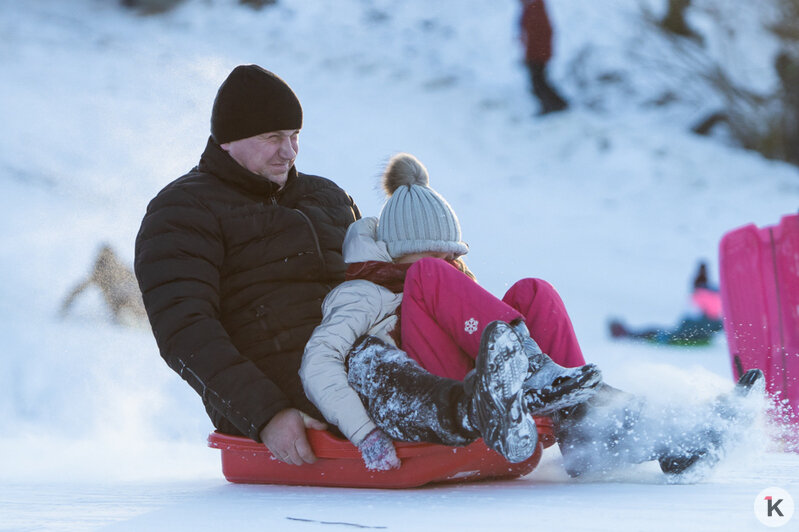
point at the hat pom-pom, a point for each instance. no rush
(404, 169)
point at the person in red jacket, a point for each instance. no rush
(536, 35)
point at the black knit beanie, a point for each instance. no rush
(252, 101)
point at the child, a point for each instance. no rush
(471, 369)
(407, 287)
(696, 327)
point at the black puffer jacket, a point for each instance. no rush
(233, 275)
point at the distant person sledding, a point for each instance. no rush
(695, 328)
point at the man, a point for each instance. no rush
(234, 259)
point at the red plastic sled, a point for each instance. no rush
(339, 462)
(759, 272)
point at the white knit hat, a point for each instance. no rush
(416, 218)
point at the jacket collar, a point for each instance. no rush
(361, 243)
(218, 162)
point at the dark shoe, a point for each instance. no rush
(708, 445)
(500, 413)
(549, 386)
(729, 406)
(706, 451)
(551, 102)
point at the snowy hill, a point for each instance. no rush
(613, 202)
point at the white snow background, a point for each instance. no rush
(613, 202)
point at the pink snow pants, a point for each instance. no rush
(444, 313)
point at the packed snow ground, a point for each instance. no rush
(613, 202)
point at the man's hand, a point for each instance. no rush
(285, 438)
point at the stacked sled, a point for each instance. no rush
(759, 273)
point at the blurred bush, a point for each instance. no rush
(154, 7)
(767, 122)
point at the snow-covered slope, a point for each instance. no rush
(613, 202)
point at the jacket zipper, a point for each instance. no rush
(260, 311)
(315, 240)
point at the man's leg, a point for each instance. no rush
(548, 97)
(614, 429)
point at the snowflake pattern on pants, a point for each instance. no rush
(471, 326)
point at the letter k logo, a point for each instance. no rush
(773, 506)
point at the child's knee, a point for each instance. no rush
(532, 287)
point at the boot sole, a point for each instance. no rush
(502, 367)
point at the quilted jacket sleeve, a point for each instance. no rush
(179, 252)
(353, 309)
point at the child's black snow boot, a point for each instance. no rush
(549, 386)
(497, 386)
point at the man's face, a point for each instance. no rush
(270, 155)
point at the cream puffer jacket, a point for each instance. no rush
(351, 310)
